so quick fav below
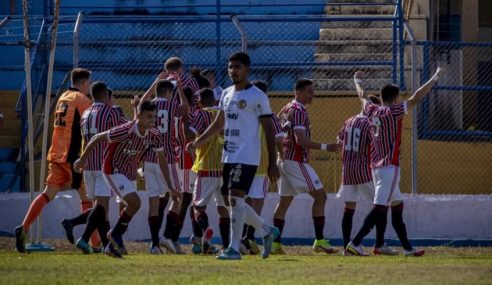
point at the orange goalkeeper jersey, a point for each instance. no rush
(67, 138)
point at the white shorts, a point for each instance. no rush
(206, 189)
(259, 188)
(155, 184)
(95, 184)
(120, 185)
(352, 193)
(187, 178)
(387, 185)
(297, 177)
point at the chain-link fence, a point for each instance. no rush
(129, 52)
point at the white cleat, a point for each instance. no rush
(155, 250)
(178, 248)
(414, 252)
(355, 250)
(384, 250)
(168, 245)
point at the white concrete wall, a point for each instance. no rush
(426, 216)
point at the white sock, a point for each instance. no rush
(256, 221)
(237, 222)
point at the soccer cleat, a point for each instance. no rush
(213, 250)
(207, 237)
(84, 246)
(277, 249)
(414, 252)
(68, 227)
(196, 247)
(229, 254)
(20, 239)
(253, 247)
(384, 250)
(178, 248)
(168, 245)
(322, 245)
(155, 249)
(116, 244)
(244, 247)
(268, 241)
(355, 250)
(97, 249)
(111, 251)
(347, 253)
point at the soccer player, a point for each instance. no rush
(210, 75)
(387, 120)
(297, 176)
(99, 117)
(261, 182)
(208, 167)
(167, 110)
(64, 150)
(243, 109)
(127, 144)
(355, 141)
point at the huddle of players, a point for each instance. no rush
(166, 127)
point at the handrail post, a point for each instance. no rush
(413, 59)
(242, 32)
(401, 45)
(76, 39)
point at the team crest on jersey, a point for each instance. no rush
(121, 188)
(242, 104)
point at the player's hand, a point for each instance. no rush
(190, 148)
(359, 75)
(175, 193)
(273, 171)
(135, 101)
(78, 165)
(163, 75)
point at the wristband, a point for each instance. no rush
(323, 146)
(358, 81)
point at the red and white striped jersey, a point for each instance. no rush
(167, 111)
(184, 158)
(186, 81)
(296, 111)
(96, 119)
(126, 146)
(355, 138)
(387, 122)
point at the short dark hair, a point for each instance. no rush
(99, 91)
(79, 74)
(374, 99)
(389, 92)
(242, 57)
(173, 63)
(147, 106)
(206, 95)
(303, 82)
(163, 86)
(199, 78)
(260, 84)
(188, 92)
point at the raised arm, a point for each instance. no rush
(423, 90)
(148, 94)
(185, 107)
(358, 80)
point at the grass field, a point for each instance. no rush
(441, 265)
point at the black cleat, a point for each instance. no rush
(67, 225)
(20, 239)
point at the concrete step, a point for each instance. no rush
(338, 56)
(356, 22)
(348, 84)
(342, 72)
(359, 9)
(356, 34)
(353, 46)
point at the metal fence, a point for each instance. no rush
(453, 138)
